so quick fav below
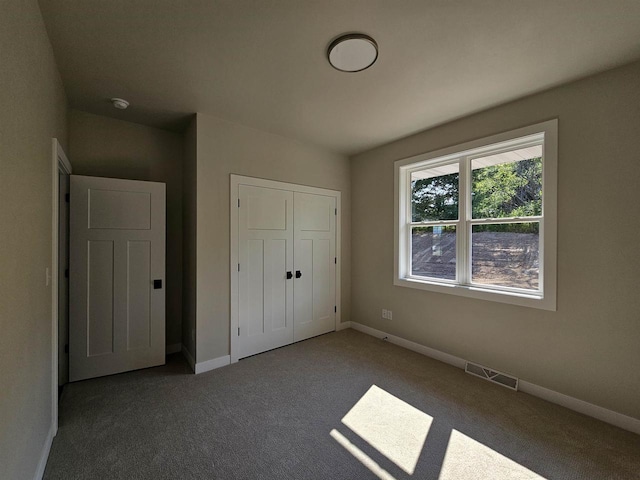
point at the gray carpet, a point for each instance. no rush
(293, 413)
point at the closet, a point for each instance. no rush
(284, 266)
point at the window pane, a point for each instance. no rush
(434, 193)
(433, 252)
(506, 255)
(507, 184)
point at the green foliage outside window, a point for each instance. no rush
(505, 190)
(435, 198)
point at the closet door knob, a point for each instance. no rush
(289, 275)
(298, 273)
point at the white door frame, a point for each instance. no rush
(236, 181)
(59, 164)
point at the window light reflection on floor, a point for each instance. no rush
(393, 427)
(469, 459)
(362, 457)
(398, 431)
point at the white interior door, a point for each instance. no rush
(315, 264)
(265, 254)
(117, 269)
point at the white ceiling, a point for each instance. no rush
(262, 63)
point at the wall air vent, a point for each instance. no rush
(492, 375)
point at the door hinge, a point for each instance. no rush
(335, 260)
(335, 309)
(238, 331)
(67, 197)
(238, 267)
(66, 273)
(336, 211)
(238, 203)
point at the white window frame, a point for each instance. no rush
(545, 298)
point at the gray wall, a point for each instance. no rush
(106, 147)
(34, 109)
(224, 148)
(189, 212)
(589, 348)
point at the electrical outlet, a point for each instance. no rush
(387, 314)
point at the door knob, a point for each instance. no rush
(289, 275)
(298, 273)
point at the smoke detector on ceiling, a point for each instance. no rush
(119, 103)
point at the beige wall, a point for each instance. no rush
(589, 348)
(106, 147)
(34, 109)
(224, 148)
(189, 212)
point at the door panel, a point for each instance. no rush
(303, 298)
(265, 232)
(255, 287)
(323, 286)
(100, 298)
(138, 295)
(117, 250)
(315, 252)
(119, 210)
(277, 289)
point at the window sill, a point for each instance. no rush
(477, 292)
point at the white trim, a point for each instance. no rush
(544, 299)
(59, 163)
(236, 181)
(44, 456)
(608, 416)
(343, 326)
(189, 358)
(175, 348)
(212, 364)
(409, 345)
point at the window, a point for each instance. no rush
(479, 219)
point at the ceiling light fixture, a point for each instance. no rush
(119, 103)
(352, 52)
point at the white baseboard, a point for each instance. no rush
(608, 416)
(343, 326)
(175, 348)
(212, 364)
(44, 456)
(187, 355)
(409, 345)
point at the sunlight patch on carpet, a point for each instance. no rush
(469, 459)
(393, 427)
(362, 457)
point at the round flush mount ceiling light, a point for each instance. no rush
(119, 103)
(352, 52)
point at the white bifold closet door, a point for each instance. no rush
(117, 270)
(287, 267)
(314, 296)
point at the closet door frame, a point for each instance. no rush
(236, 181)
